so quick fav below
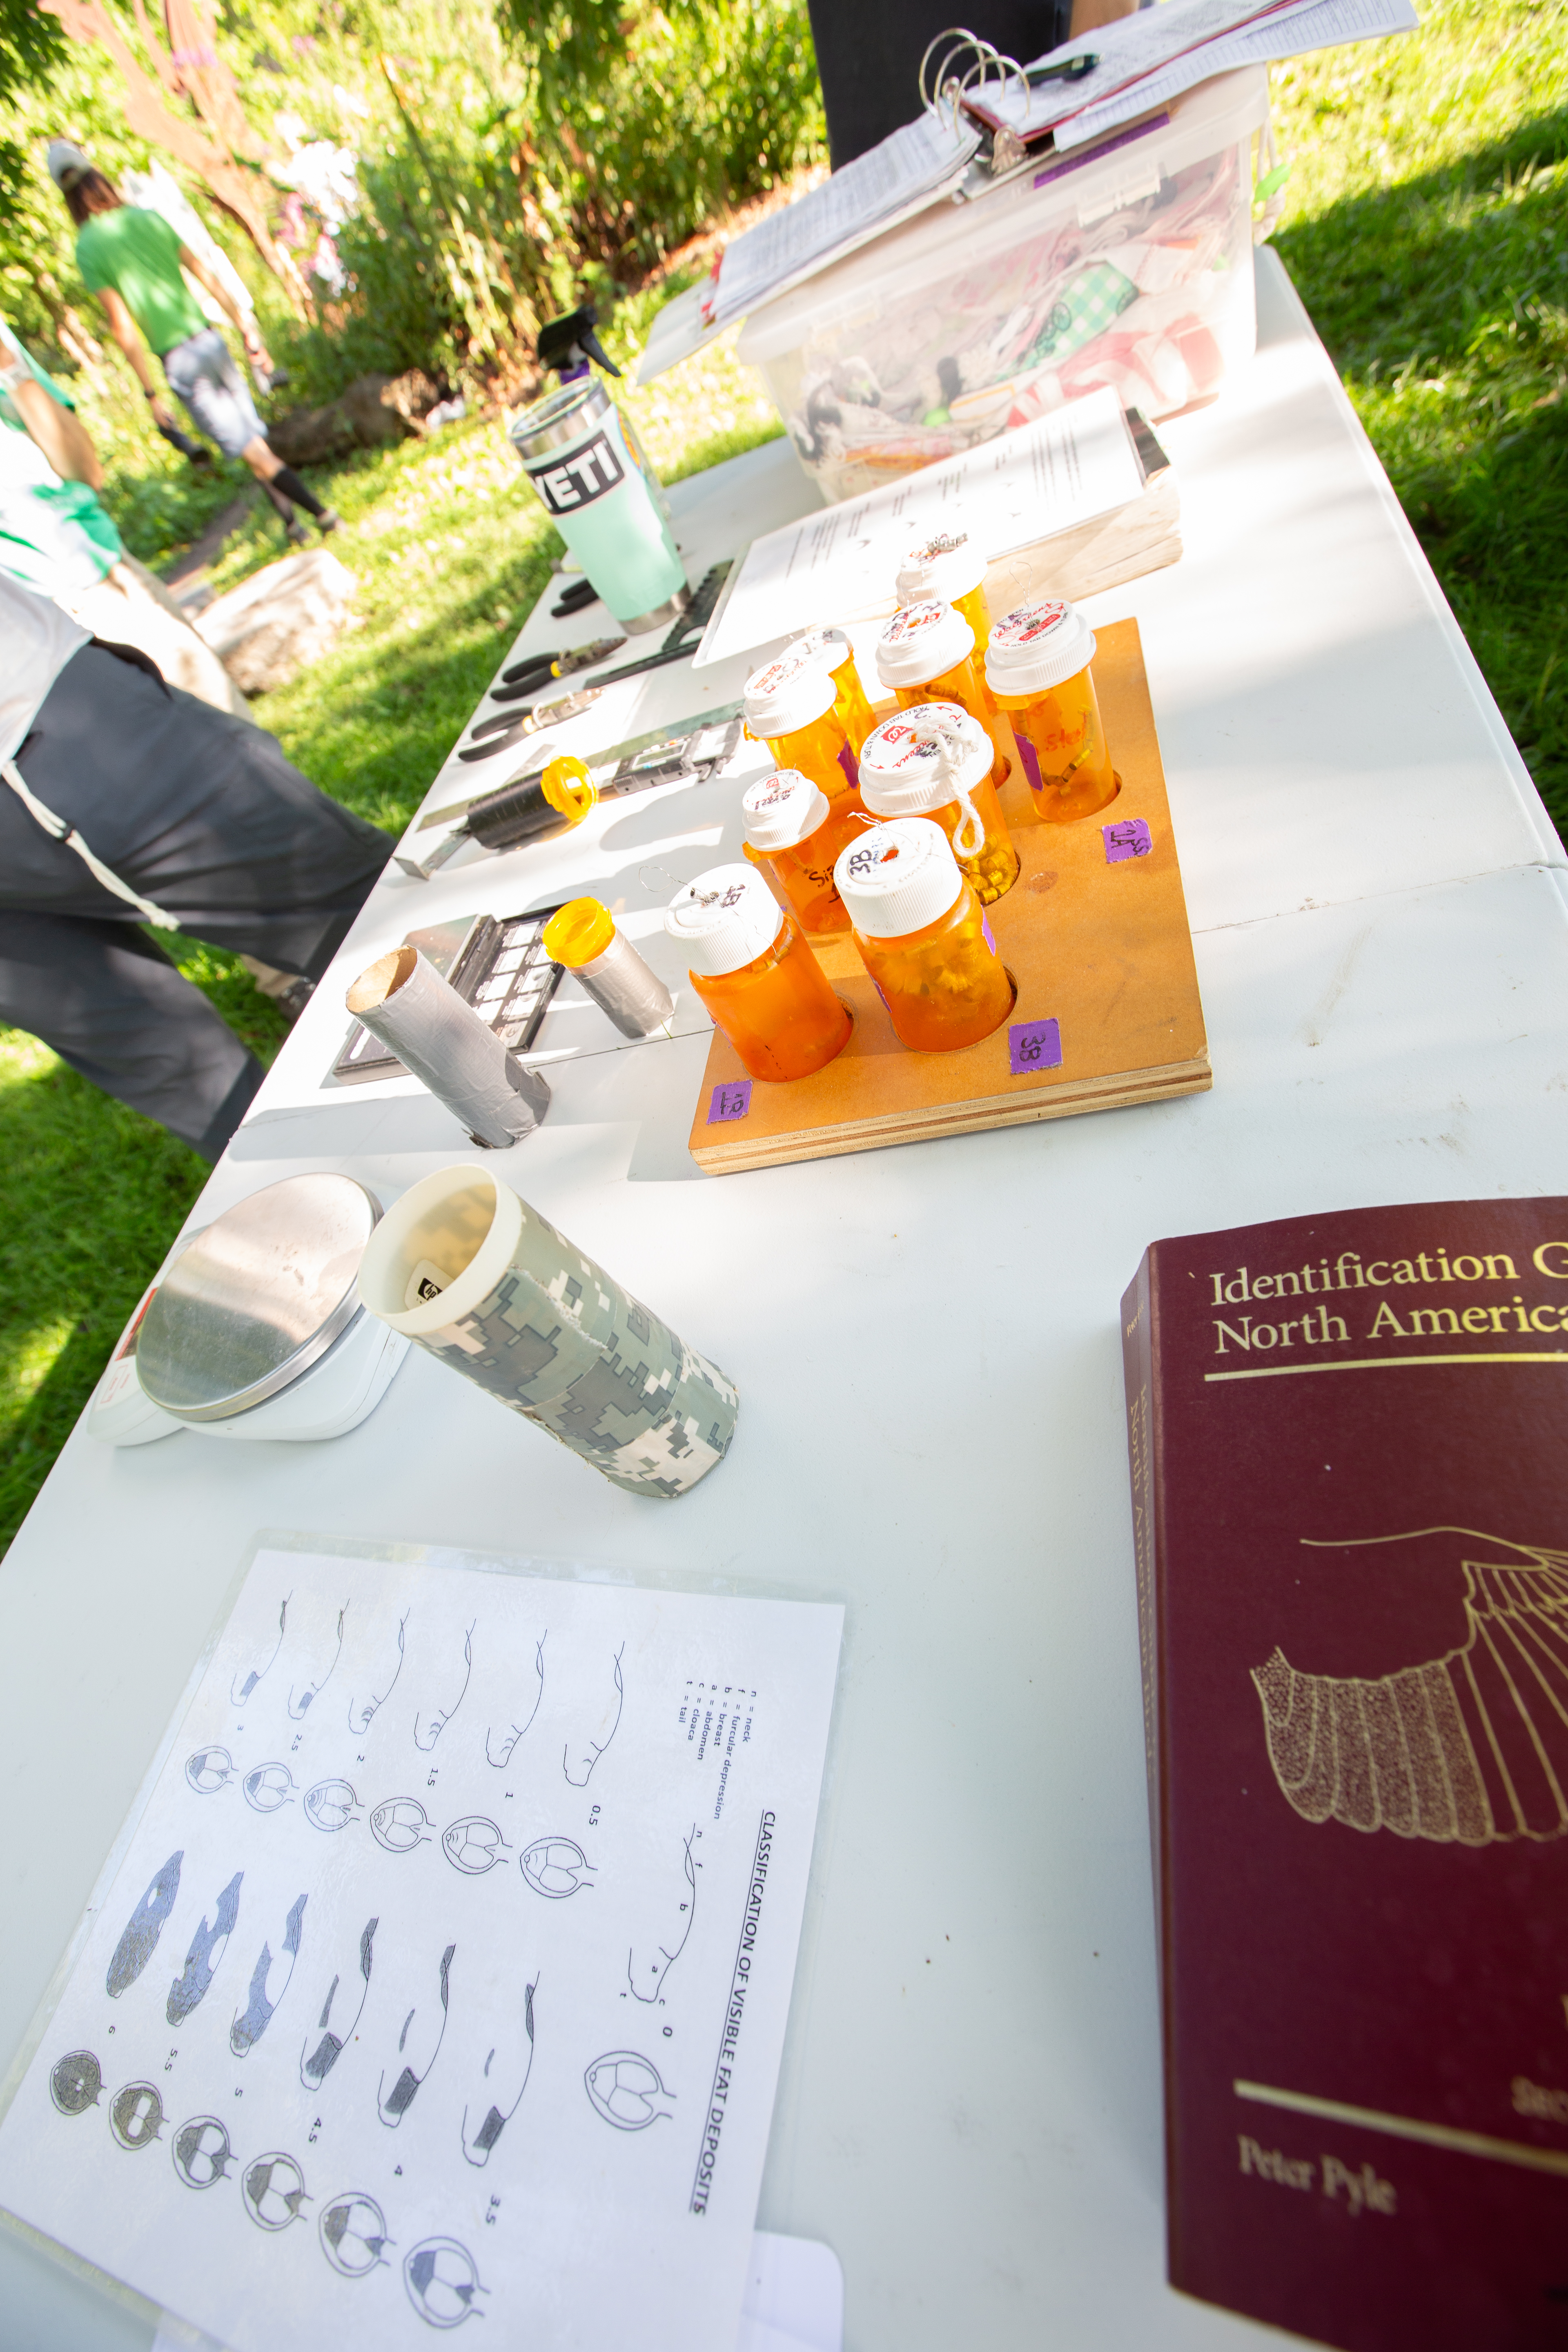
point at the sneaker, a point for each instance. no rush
(296, 534)
(328, 521)
(292, 1001)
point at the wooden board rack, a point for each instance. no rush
(1095, 935)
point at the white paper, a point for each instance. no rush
(915, 160)
(794, 2302)
(1129, 49)
(1064, 468)
(1288, 33)
(585, 1811)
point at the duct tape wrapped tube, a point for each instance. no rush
(469, 1271)
(584, 938)
(403, 1000)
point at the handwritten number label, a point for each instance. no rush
(1130, 838)
(1033, 1046)
(729, 1102)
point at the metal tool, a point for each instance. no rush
(575, 599)
(690, 752)
(501, 730)
(538, 669)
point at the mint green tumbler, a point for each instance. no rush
(593, 482)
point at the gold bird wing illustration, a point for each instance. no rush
(1470, 1748)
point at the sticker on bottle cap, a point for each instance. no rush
(912, 622)
(1129, 838)
(1033, 1046)
(731, 1101)
(1027, 623)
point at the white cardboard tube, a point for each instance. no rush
(417, 1015)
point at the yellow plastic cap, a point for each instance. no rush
(568, 787)
(581, 930)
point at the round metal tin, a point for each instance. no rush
(257, 1299)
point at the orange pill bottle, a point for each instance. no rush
(1038, 664)
(833, 649)
(790, 705)
(947, 564)
(933, 759)
(928, 653)
(751, 966)
(923, 936)
(794, 834)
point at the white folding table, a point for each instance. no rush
(926, 1344)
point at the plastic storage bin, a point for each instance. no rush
(1128, 266)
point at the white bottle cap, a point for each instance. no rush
(898, 878)
(829, 646)
(920, 641)
(789, 693)
(922, 757)
(946, 563)
(784, 808)
(1037, 646)
(725, 919)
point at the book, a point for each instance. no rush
(1349, 1447)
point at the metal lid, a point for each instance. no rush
(562, 416)
(257, 1299)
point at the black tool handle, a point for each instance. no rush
(518, 811)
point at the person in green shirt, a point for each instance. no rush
(133, 260)
(55, 536)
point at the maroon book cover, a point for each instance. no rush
(1349, 1442)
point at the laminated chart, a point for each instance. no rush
(444, 1975)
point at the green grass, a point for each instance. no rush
(1427, 230)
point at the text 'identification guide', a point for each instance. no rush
(446, 1974)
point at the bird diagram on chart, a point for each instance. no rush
(444, 1977)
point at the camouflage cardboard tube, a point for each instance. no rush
(472, 1274)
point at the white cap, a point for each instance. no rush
(789, 693)
(898, 878)
(945, 563)
(922, 757)
(829, 646)
(725, 919)
(63, 156)
(1037, 646)
(920, 641)
(784, 808)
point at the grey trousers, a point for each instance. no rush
(200, 813)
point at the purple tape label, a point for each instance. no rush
(850, 764)
(985, 931)
(1033, 1046)
(1031, 759)
(1130, 838)
(731, 1102)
